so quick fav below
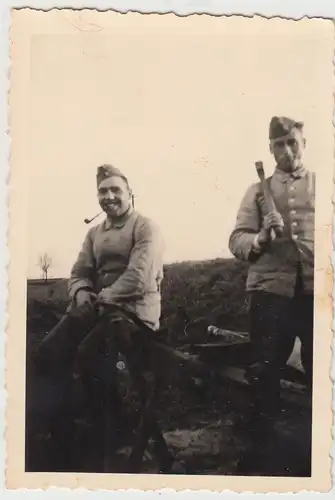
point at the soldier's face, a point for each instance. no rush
(288, 150)
(114, 196)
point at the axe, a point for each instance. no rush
(267, 195)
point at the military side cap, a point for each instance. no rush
(105, 171)
(281, 126)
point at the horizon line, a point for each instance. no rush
(177, 262)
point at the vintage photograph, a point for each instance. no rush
(170, 276)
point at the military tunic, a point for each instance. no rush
(125, 257)
(275, 270)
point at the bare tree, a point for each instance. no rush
(45, 263)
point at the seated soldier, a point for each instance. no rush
(121, 260)
(119, 265)
(118, 275)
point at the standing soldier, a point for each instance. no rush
(281, 275)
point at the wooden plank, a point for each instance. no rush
(192, 364)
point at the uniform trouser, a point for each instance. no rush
(112, 420)
(89, 344)
(275, 322)
(55, 364)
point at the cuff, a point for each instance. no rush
(80, 285)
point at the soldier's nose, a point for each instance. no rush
(287, 150)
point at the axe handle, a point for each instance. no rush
(267, 194)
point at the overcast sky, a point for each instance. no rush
(183, 113)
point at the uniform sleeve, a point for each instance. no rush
(144, 265)
(248, 225)
(83, 270)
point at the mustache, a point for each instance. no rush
(287, 155)
(286, 159)
(110, 203)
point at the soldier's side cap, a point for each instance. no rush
(105, 171)
(282, 125)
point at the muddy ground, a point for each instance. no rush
(199, 423)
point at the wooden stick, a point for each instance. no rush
(267, 194)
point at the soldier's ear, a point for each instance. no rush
(270, 147)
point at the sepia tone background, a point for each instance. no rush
(185, 115)
(182, 106)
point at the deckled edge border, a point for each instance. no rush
(5, 215)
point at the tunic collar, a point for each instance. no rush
(299, 173)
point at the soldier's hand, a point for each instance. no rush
(85, 300)
(103, 296)
(264, 237)
(273, 220)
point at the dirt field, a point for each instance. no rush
(197, 420)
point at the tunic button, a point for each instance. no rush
(295, 236)
(293, 212)
(294, 224)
